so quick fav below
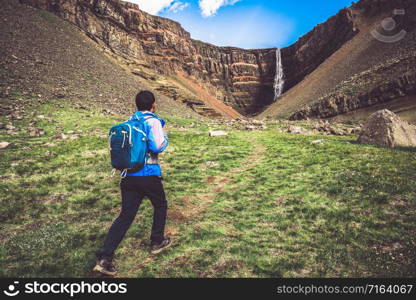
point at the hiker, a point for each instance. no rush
(137, 185)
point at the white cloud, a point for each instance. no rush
(210, 7)
(178, 6)
(156, 6)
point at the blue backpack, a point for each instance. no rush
(128, 145)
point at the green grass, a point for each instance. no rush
(254, 204)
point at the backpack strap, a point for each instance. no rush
(123, 173)
(145, 117)
(152, 115)
(148, 116)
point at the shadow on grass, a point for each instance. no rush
(400, 148)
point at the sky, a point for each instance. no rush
(245, 23)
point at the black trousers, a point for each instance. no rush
(133, 190)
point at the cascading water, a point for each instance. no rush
(278, 79)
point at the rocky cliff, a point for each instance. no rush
(381, 84)
(314, 67)
(240, 78)
(304, 56)
(43, 57)
(373, 66)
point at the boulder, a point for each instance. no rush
(336, 131)
(75, 137)
(317, 142)
(9, 127)
(49, 144)
(356, 130)
(297, 130)
(217, 133)
(257, 122)
(35, 132)
(107, 112)
(60, 136)
(4, 145)
(12, 133)
(325, 127)
(212, 164)
(59, 95)
(384, 128)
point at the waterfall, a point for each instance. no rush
(278, 79)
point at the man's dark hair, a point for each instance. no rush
(145, 100)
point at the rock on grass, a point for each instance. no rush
(384, 128)
(217, 133)
(4, 145)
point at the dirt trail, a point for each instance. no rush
(192, 211)
(216, 184)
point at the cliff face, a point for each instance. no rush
(393, 78)
(315, 47)
(240, 78)
(44, 57)
(243, 79)
(373, 67)
(372, 87)
(312, 49)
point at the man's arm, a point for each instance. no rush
(158, 140)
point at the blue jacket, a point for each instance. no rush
(157, 143)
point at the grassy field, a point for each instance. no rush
(253, 204)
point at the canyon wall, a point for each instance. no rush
(312, 49)
(243, 79)
(390, 67)
(304, 56)
(240, 78)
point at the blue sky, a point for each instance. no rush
(246, 23)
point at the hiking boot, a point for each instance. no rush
(157, 248)
(105, 266)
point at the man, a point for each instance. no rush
(135, 186)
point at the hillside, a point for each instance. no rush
(47, 58)
(254, 204)
(233, 80)
(364, 72)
